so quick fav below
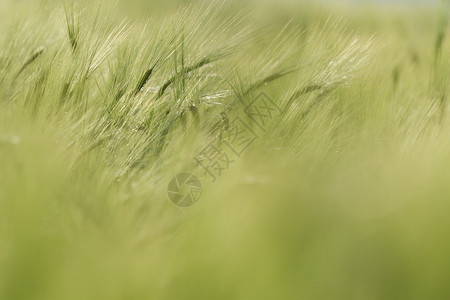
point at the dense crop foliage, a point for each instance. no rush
(342, 193)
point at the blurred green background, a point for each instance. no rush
(344, 196)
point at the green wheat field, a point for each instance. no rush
(316, 137)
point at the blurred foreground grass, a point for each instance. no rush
(344, 195)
